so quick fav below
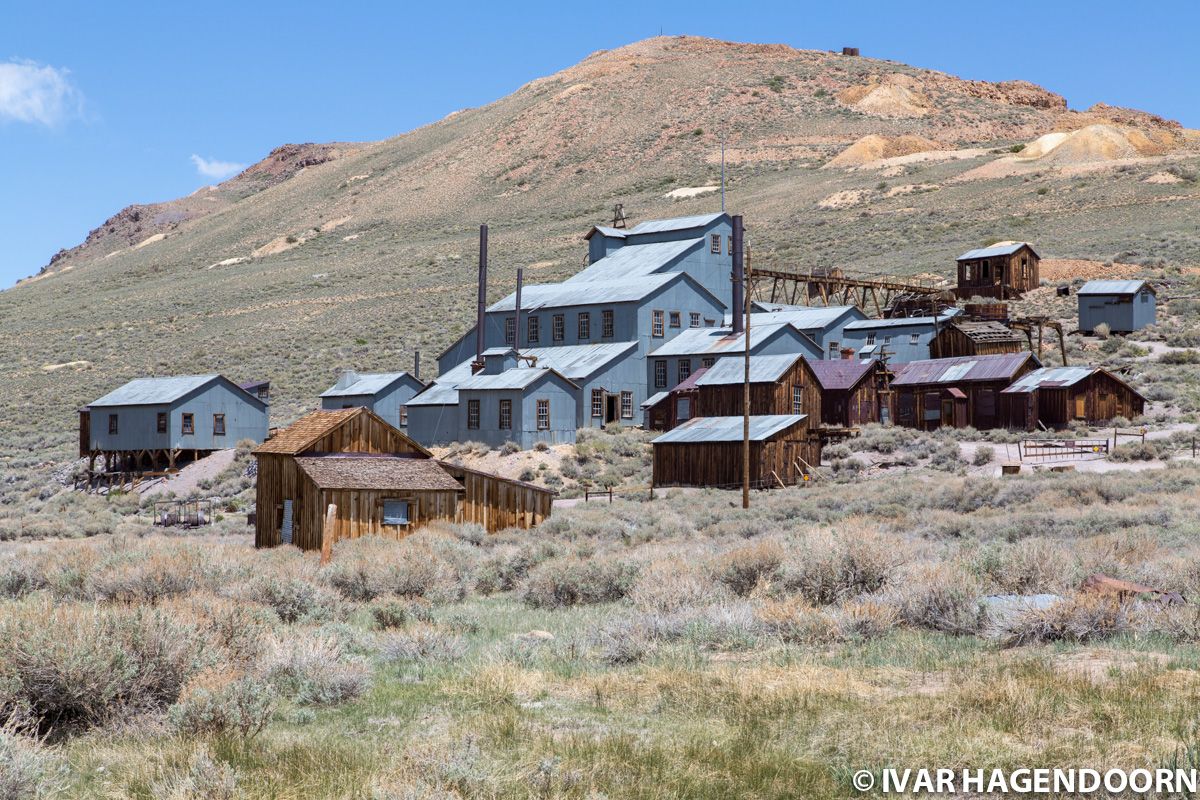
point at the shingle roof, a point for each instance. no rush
(990, 332)
(585, 293)
(515, 378)
(1113, 287)
(154, 391)
(300, 435)
(696, 341)
(960, 369)
(376, 472)
(840, 374)
(365, 383)
(997, 249)
(633, 261)
(673, 224)
(763, 369)
(729, 429)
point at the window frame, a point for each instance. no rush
(473, 414)
(510, 330)
(797, 399)
(658, 323)
(608, 325)
(402, 417)
(714, 244)
(708, 361)
(543, 414)
(694, 319)
(675, 319)
(597, 404)
(533, 329)
(914, 339)
(114, 424)
(558, 327)
(409, 505)
(218, 424)
(187, 424)
(660, 373)
(504, 414)
(870, 339)
(584, 324)
(683, 370)
(626, 404)
(162, 423)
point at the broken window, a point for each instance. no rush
(218, 424)
(162, 422)
(112, 425)
(685, 369)
(189, 424)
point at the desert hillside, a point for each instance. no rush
(328, 256)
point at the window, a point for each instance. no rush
(607, 328)
(473, 414)
(710, 323)
(403, 416)
(510, 330)
(558, 327)
(218, 424)
(660, 374)
(797, 399)
(656, 326)
(189, 424)
(729, 243)
(1145, 297)
(626, 405)
(914, 338)
(695, 319)
(833, 349)
(505, 415)
(543, 415)
(112, 425)
(676, 319)
(162, 422)
(585, 325)
(714, 243)
(683, 409)
(685, 369)
(870, 338)
(533, 330)
(395, 512)
(708, 361)
(597, 402)
(887, 340)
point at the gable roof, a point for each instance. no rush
(159, 391)
(588, 293)
(367, 383)
(986, 331)
(1001, 366)
(377, 472)
(997, 249)
(674, 224)
(691, 381)
(302, 434)
(729, 429)
(515, 378)
(633, 260)
(1114, 287)
(1058, 378)
(763, 369)
(704, 341)
(606, 230)
(840, 374)
(578, 361)
(902, 322)
(443, 391)
(804, 318)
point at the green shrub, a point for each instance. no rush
(205, 778)
(743, 568)
(28, 771)
(564, 582)
(241, 707)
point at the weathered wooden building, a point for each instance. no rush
(379, 481)
(779, 385)
(850, 391)
(1057, 396)
(956, 392)
(385, 393)
(707, 451)
(666, 410)
(1124, 306)
(975, 338)
(1003, 270)
(152, 423)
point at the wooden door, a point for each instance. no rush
(1081, 406)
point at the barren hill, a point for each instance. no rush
(324, 256)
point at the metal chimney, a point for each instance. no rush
(517, 320)
(417, 364)
(738, 278)
(481, 305)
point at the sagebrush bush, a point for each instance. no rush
(313, 669)
(743, 568)
(422, 644)
(28, 770)
(827, 567)
(216, 706)
(941, 597)
(796, 621)
(670, 584)
(295, 599)
(563, 582)
(205, 778)
(371, 567)
(1077, 619)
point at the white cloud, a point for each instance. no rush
(31, 92)
(215, 168)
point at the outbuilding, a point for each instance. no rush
(1001, 271)
(957, 392)
(707, 451)
(385, 393)
(850, 392)
(1124, 306)
(1057, 396)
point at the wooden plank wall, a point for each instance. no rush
(497, 503)
(719, 464)
(363, 433)
(360, 512)
(765, 398)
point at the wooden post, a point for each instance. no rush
(327, 533)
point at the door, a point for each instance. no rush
(286, 526)
(948, 412)
(611, 410)
(1081, 406)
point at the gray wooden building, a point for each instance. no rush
(385, 393)
(1124, 306)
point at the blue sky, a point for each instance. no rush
(103, 105)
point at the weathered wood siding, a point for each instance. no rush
(765, 398)
(1000, 277)
(497, 503)
(719, 464)
(951, 342)
(1097, 399)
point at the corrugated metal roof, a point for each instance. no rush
(1055, 377)
(840, 374)
(703, 341)
(961, 368)
(804, 318)
(763, 369)
(632, 261)
(654, 399)
(365, 383)
(607, 230)
(673, 224)
(989, 332)
(690, 382)
(902, 322)
(585, 293)
(515, 378)
(153, 391)
(442, 392)
(997, 249)
(729, 429)
(579, 360)
(1112, 287)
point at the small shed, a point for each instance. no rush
(707, 451)
(1056, 396)
(385, 393)
(779, 385)
(956, 392)
(1001, 271)
(850, 391)
(976, 338)
(1124, 306)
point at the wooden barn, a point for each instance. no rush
(975, 338)
(1056, 396)
(1001, 271)
(779, 385)
(850, 391)
(707, 451)
(956, 392)
(380, 481)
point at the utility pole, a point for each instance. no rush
(722, 174)
(738, 235)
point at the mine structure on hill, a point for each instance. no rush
(832, 286)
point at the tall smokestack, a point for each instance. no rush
(417, 364)
(738, 279)
(517, 326)
(481, 305)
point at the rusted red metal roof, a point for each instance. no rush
(840, 374)
(690, 383)
(1002, 366)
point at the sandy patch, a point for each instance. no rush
(847, 198)
(687, 192)
(1163, 177)
(911, 188)
(158, 237)
(1099, 142)
(573, 89)
(872, 148)
(65, 365)
(1065, 269)
(229, 262)
(890, 99)
(927, 156)
(334, 224)
(280, 244)
(351, 237)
